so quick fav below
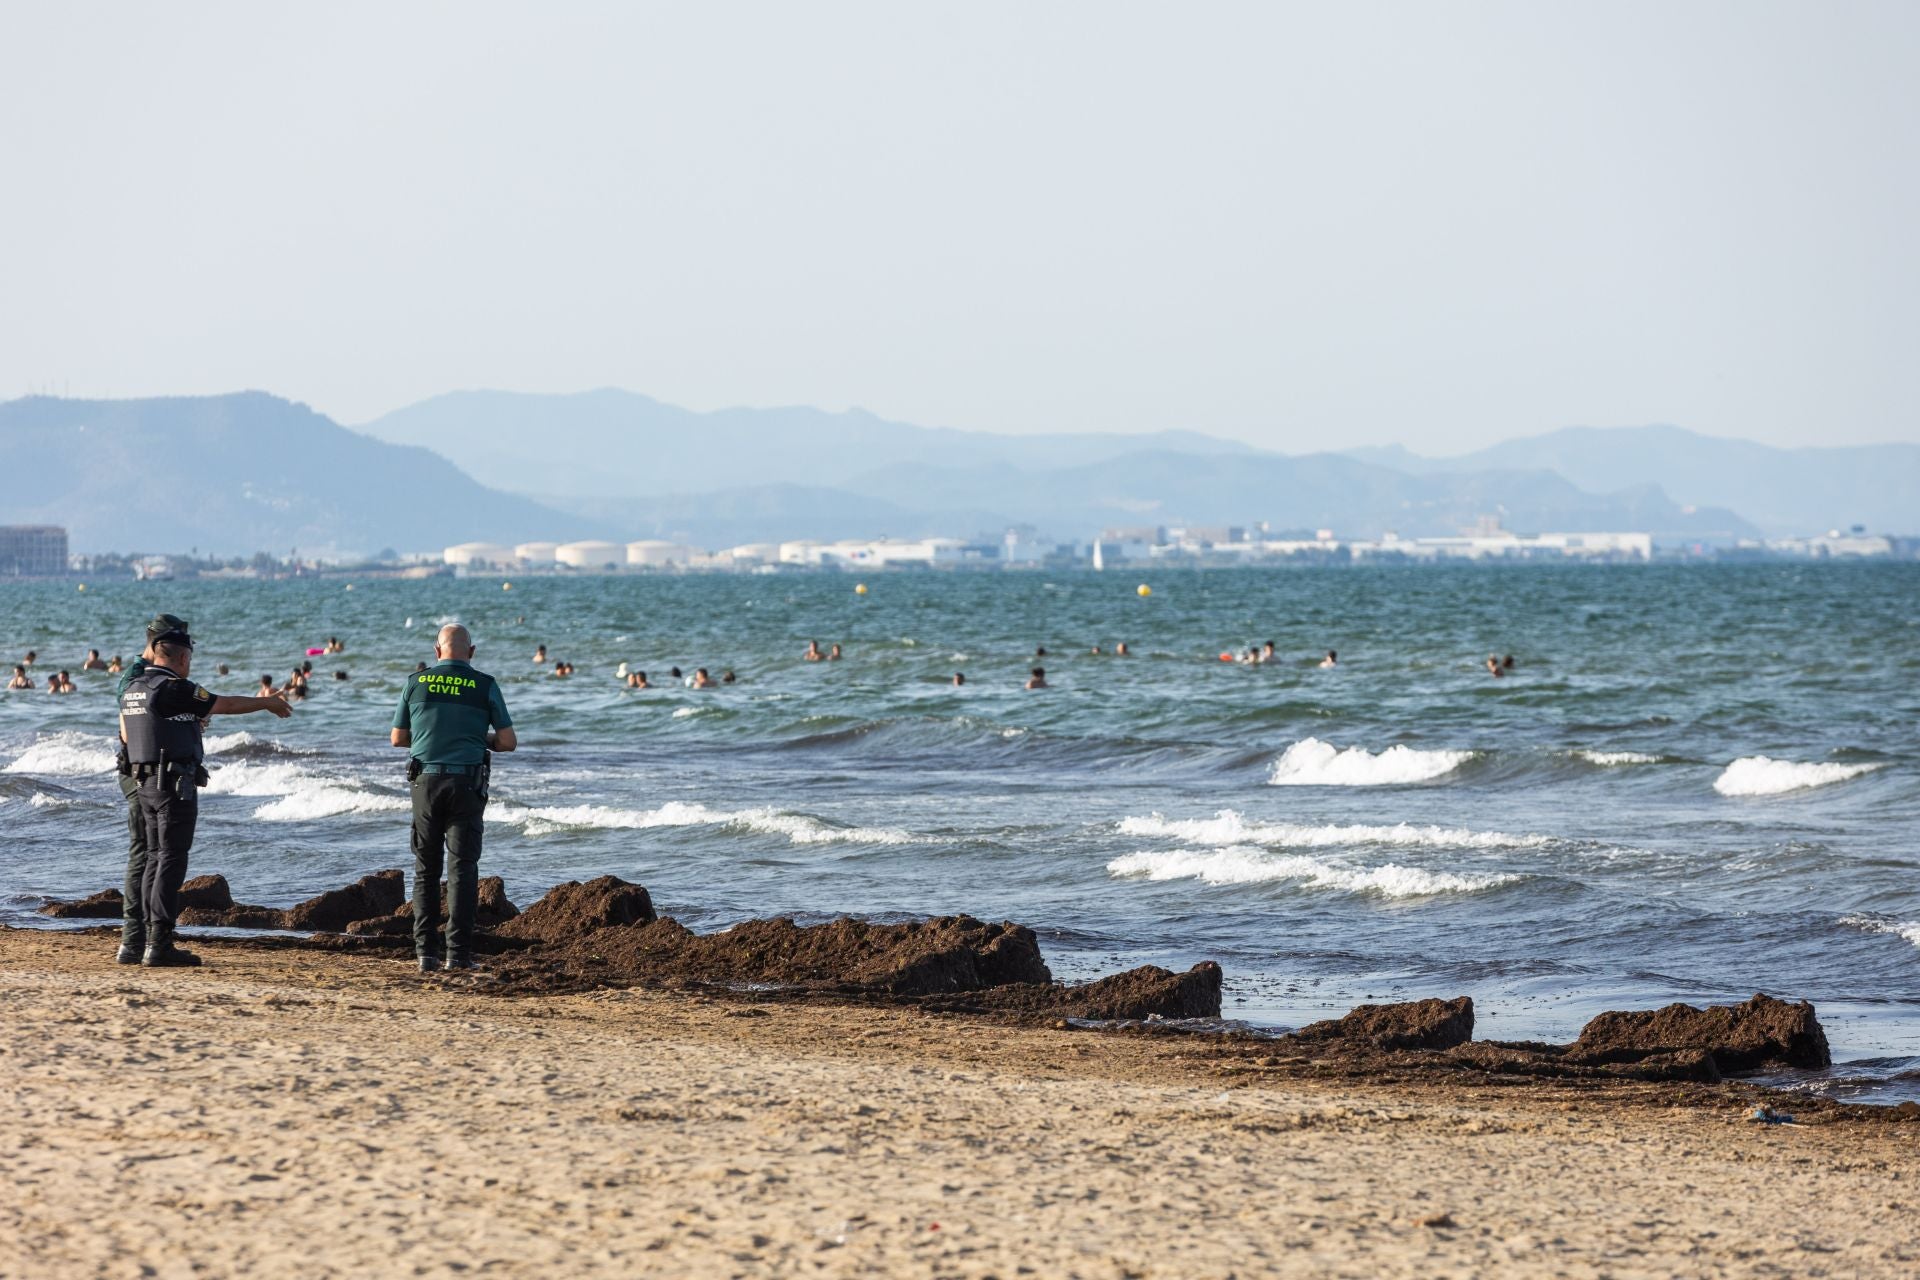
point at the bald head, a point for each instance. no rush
(454, 642)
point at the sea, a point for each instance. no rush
(1695, 783)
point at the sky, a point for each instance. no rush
(1303, 225)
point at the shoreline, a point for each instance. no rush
(322, 1113)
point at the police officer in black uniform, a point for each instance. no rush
(161, 714)
(449, 718)
(133, 916)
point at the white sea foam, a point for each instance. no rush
(323, 801)
(687, 712)
(296, 794)
(798, 828)
(66, 754)
(1228, 827)
(1908, 929)
(1313, 763)
(220, 742)
(248, 779)
(1764, 776)
(1615, 759)
(1241, 864)
(41, 800)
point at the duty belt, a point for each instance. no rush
(463, 770)
(172, 766)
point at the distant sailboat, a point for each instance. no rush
(1099, 561)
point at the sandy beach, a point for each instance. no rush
(308, 1114)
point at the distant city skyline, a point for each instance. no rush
(1301, 227)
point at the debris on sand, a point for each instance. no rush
(494, 910)
(1417, 1024)
(573, 910)
(1763, 1032)
(606, 932)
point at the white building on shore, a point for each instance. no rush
(477, 555)
(592, 555)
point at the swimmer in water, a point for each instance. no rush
(20, 678)
(1331, 660)
(60, 682)
(1041, 652)
(1096, 652)
(115, 667)
(1039, 679)
(637, 680)
(1266, 652)
(674, 672)
(813, 653)
(539, 655)
(1121, 651)
(728, 678)
(701, 680)
(1252, 656)
(959, 678)
(419, 666)
(266, 688)
(94, 661)
(32, 657)
(1508, 664)
(341, 675)
(1493, 666)
(833, 654)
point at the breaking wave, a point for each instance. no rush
(1908, 929)
(1616, 759)
(1228, 827)
(299, 795)
(65, 755)
(1246, 865)
(798, 828)
(1313, 763)
(1764, 776)
(328, 801)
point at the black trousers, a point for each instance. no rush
(448, 819)
(168, 812)
(133, 913)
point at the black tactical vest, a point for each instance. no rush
(151, 737)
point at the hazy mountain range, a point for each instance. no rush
(238, 473)
(235, 474)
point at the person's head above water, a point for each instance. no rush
(454, 642)
(959, 677)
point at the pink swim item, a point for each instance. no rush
(314, 653)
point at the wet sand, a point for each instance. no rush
(305, 1113)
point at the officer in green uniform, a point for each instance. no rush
(133, 918)
(161, 717)
(449, 718)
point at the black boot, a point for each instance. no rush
(133, 941)
(161, 953)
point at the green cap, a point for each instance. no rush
(168, 627)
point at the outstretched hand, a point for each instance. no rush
(278, 706)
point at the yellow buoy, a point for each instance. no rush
(349, 586)
(506, 586)
(81, 587)
(860, 589)
(1143, 590)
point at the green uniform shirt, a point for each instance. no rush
(448, 708)
(132, 669)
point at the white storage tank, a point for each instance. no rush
(591, 555)
(536, 552)
(656, 553)
(476, 555)
(756, 553)
(801, 552)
